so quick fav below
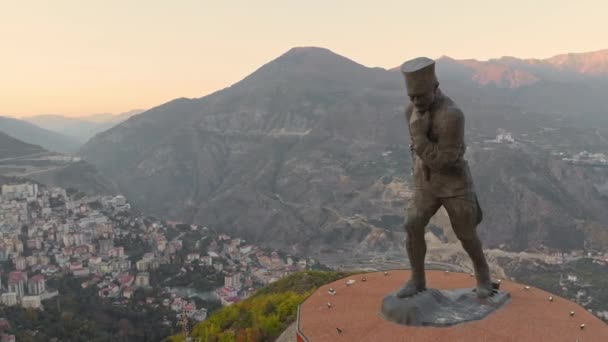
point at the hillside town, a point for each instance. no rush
(50, 233)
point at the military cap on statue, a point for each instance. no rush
(419, 75)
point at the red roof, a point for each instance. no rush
(125, 278)
(16, 276)
(37, 278)
(232, 299)
(529, 316)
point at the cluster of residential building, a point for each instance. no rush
(585, 158)
(559, 258)
(27, 292)
(45, 233)
(24, 206)
(247, 267)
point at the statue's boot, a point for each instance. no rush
(417, 283)
(411, 288)
(484, 290)
(482, 271)
(484, 283)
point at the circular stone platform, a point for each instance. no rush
(354, 314)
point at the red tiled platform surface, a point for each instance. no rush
(529, 316)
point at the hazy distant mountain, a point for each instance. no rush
(32, 134)
(311, 150)
(76, 128)
(109, 117)
(81, 128)
(11, 147)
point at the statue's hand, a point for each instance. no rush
(420, 123)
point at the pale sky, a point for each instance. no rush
(77, 57)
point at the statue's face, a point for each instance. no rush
(422, 101)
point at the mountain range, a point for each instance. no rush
(513, 72)
(311, 151)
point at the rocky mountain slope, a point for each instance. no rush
(20, 161)
(11, 147)
(81, 175)
(311, 151)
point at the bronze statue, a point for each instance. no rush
(441, 175)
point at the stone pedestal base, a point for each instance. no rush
(440, 307)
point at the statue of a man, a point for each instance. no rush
(441, 175)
